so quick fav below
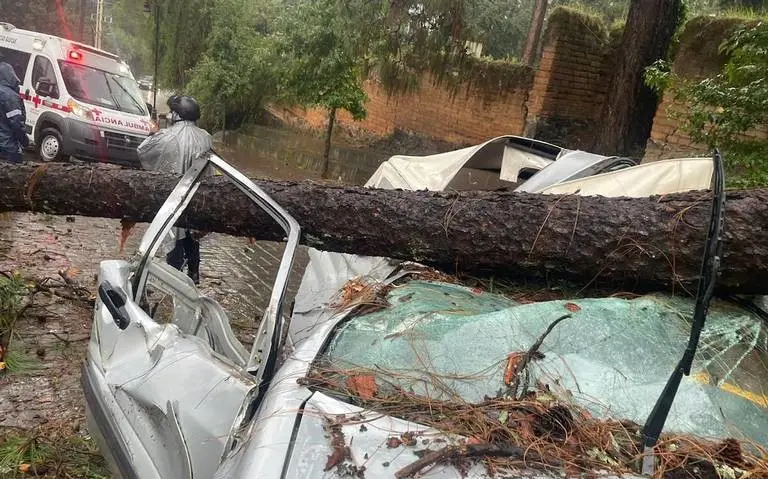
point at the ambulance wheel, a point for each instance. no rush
(50, 145)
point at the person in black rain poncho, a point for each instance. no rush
(173, 150)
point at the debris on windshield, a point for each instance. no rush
(584, 384)
(362, 385)
(456, 454)
(340, 449)
(426, 273)
(530, 433)
(362, 296)
(394, 442)
(532, 354)
(341, 457)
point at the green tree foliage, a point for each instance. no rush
(129, 33)
(721, 109)
(318, 65)
(500, 25)
(236, 71)
(54, 17)
(758, 5)
(184, 30)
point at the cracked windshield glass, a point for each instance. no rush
(316, 239)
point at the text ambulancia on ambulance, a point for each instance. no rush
(80, 101)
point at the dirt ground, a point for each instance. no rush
(41, 403)
(42, 399)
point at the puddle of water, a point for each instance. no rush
(281, 154)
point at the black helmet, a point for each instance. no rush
(184, 106)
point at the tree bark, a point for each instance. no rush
(639, 244)
(534, 32)
(328, 137)
(630, 105)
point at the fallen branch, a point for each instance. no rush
(528, 356)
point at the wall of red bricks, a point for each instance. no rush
(433, 112)
(567, 88)
(698, 56)
(571, 81)
(561, 102)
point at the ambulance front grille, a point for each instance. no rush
(122, 141)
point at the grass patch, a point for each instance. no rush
(18, 362)
(742, 14)
(13, 290)
(36, 455)
(12, 293)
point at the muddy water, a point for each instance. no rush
(286, 155)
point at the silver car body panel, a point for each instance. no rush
(289, 437)
(565, 168)
(269, 438)
(171, 398)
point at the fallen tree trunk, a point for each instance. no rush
(649, 243)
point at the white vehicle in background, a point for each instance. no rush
(80, 101)
(533, 166)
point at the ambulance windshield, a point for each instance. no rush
(101, 88)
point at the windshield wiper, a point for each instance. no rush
(111, 93)
(709, 270)
(135, 101)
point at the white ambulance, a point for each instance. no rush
(80, 101)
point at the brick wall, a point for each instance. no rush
(571, 82)
(433, 112)
(560, 101)
(698, 56)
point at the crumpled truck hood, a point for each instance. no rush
(378, 446)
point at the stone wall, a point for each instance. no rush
(561, 101)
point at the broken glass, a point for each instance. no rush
(612, 356)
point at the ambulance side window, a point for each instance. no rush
(18, 60)
(43, 70)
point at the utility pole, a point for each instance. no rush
(157, 56)
(99, 33)
(81, 37)
(148, 5)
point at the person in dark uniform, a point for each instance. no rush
(13, 116)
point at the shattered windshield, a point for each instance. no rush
(101, 88)
(611, 357)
